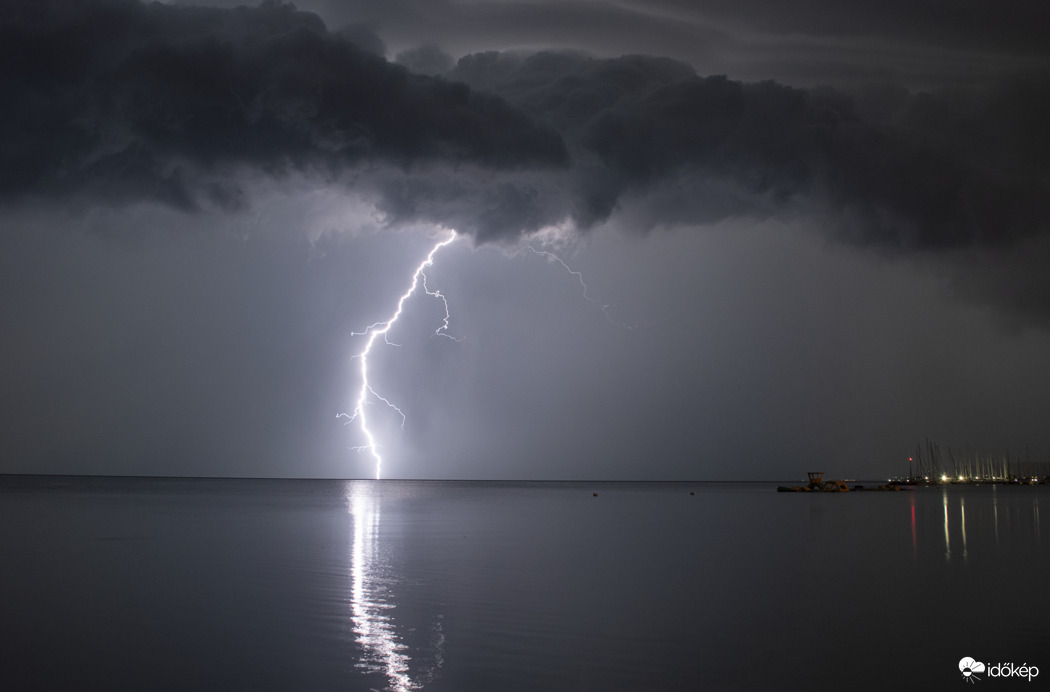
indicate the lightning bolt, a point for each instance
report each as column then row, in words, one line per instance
column 373, row 332
column 551, row 257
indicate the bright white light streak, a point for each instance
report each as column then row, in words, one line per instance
column 373, row 332
column 373, row 626
column 374, row 604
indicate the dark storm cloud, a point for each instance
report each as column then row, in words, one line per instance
column 1010, row 25
column 364, row 37
column 426, row 59
column 490, row 209
column 1014, row 25
column 929, row 171
column 121, row 100
column 922, row 44
column 114, row 100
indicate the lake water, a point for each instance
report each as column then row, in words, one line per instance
column 136, row 584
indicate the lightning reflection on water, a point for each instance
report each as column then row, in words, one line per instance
column 373, row 605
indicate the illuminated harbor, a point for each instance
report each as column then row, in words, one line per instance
column 930, row 465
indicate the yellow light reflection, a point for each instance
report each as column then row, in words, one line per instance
column 914, row 535
column 1035, row 512
column 995, row 511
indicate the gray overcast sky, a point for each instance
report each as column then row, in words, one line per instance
column 820, row 234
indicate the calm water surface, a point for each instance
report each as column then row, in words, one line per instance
column 132, row 584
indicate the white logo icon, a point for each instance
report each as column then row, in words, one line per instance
column 970, row 668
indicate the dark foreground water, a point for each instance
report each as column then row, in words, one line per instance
column 136, row 584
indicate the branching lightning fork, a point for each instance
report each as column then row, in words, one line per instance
column 373, row 332
column 579, row 277
column 382, row 328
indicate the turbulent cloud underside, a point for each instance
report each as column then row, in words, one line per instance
column 114, row 101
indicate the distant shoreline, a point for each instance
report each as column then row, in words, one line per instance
column 55, row 476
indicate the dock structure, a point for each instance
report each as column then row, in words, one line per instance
column 817, row 484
